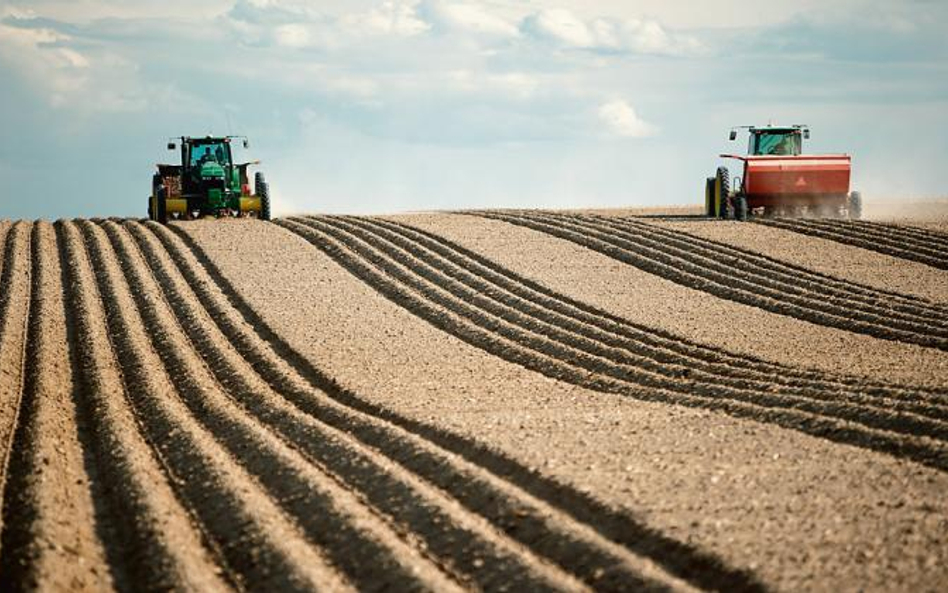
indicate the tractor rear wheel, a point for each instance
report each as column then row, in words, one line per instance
column 161, row 206
column 722, row 189
column 709, row 197
column 854, row 207
column 263, row 192
column 740, row 207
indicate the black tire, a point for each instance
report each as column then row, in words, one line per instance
column 161, row 206
column 722, row 189
column 155, row 184
column 263, row 192
column 709, row 197
column 740, row 208
column 854, row 207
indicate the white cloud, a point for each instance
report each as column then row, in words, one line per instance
column 645, row 36
column 473, row 18
column 39, row 55
column 620, row 119
column 293, row 35
column 295, row 24
column 392, row 18
column 562, row 26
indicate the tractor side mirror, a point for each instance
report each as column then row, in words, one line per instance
column 733, row 135
column 246, row 143
column 806, row 133
column 171, row 146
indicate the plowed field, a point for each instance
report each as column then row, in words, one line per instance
column 502, row 400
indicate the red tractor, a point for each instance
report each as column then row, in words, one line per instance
column 778, row 180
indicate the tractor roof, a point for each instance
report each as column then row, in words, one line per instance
column 772, row 128
column 206, row 139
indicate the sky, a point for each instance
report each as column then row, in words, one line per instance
column 373, row 106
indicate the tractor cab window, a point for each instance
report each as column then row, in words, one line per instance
column 217, row 152
column 776, row 143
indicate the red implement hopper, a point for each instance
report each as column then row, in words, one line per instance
column 777, row 180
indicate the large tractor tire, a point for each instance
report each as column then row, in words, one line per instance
column 709, row 197
column 740, row 208
column 854, row 207
column 161, row 206
column 152, row 203
column 722, row 187
column 263, row 192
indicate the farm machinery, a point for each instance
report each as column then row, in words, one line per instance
column 207, row 182
column 779, row 180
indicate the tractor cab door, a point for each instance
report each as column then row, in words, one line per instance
column 199, row 154
column 775, row 142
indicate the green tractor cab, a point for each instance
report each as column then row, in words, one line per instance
column 207, row 183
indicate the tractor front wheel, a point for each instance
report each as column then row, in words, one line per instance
column 263, row 192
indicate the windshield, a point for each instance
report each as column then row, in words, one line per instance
column 777, row 143
column 215, row 151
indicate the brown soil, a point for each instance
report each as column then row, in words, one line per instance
column 460, row 403
column 848, row 262
column 653, row 301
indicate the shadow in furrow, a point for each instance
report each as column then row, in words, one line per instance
column 660, row 345
column 687, row 271
column 299, row 488
column 889, row 240
column 698, row 567
column 242, row 541
column 919, row 449
column 465, row 550
column 781, row 274
column 765, row 275
column 629, row 358
column 552, row 340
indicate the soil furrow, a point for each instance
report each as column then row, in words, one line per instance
column 419, row 510
column 925, row 236
column 14, row 316
column 352, row 538
column 758, row 274
column 4, row 230
column 754, row 263
column 481, row 479
column 812, row 289
column 605, row 344
column 258, row 541
column 930, row 246
column 660, row 346
column 46, row 477
column 857, row 240
column 160, row 546
column 486, row 567
column 498, row 340
column 592, row 355
column 728, row 287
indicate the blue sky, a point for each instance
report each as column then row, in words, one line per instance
column 381, row 106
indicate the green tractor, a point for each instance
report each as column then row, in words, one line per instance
column 207, row 183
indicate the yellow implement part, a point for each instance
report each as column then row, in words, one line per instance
column 251, row 204
column 176, row 206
